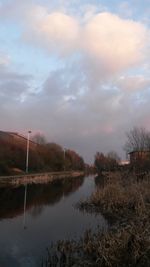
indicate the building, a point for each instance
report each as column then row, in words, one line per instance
column 124, row 162
column 137, row 156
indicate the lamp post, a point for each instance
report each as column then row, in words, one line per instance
column 64, row 159
column 25, row 192
column 27, row 156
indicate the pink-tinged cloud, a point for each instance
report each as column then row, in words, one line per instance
column 57, row 32
column 133, row 84
column 98, row 90
column 108, row 41
column 117, row 43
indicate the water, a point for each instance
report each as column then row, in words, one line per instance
column 50, row 216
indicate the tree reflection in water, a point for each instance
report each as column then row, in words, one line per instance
column 38, row 195
column 99, row 180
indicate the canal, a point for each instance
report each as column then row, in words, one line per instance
column 50, row 215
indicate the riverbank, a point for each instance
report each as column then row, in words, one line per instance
column 37, row 178
column 126, row 203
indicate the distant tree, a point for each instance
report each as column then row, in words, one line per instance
column 89, row 169
column 73, row 161
column 147, row 141
column 53, row 156
column 107, row 162
column 113, row 155
column 113, row 160
column 39, row 139
column 100, row 162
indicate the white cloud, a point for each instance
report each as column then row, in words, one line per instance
column 108, row 42
column 133, row 84
column 13, row 85
column 4, row 59
column 116, row 43
column 93, row 99
column 56, row 31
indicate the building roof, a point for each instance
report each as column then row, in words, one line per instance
column 134, row 151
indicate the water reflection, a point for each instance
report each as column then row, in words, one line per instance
column 13, row 202
column 50, row 216
column 25, row 203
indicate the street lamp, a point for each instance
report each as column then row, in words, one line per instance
column 25, row 191
column 27, row 156
column 64, row 159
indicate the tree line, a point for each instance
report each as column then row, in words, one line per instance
column 46, row 157
column 108, row 162
column 137, row 143
column 52, row 157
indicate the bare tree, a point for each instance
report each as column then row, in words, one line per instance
column 138, row 139
column 113, row 155
column 147, row 141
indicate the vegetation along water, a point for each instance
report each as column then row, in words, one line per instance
column 50, row 215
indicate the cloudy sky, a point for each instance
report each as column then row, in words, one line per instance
column 77, row 71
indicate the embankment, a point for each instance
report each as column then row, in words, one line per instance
column 38, row 178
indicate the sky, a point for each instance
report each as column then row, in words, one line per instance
column 76, row 71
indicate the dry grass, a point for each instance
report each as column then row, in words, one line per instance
column 127, row 243
column 127, row 246
column 120, row 197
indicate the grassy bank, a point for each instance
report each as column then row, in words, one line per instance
column 127, row 243
column 37, row 178
column 120, row 197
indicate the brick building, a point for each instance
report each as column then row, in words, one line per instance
column 137, row 156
